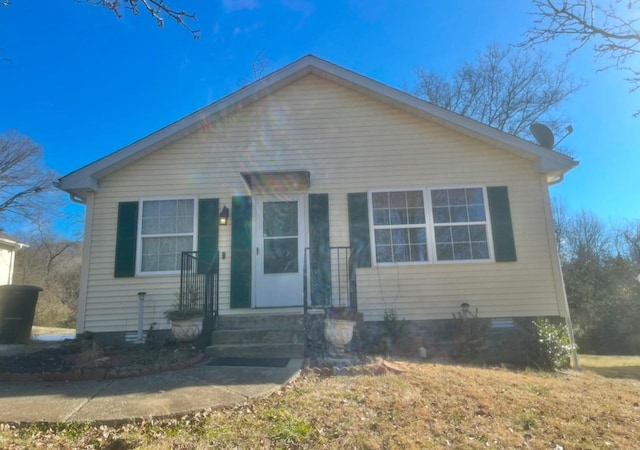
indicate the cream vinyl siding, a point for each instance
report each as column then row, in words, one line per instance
column 349, row 143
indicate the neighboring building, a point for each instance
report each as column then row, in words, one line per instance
column 8, row 247
column 437, row 210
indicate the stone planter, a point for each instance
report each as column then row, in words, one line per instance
column 186, row 330
column 338, row 332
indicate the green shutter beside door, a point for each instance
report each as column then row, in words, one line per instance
column 319, row 249
column 501, row 227
column 241, row 251
column 126, row 239
column 208, row 229
column 359, row 228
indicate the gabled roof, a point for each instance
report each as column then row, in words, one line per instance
column 84, row 180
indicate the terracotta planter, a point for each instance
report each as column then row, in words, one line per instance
column 185, row 330
column 338, row 332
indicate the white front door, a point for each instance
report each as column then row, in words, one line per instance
column 280, row 241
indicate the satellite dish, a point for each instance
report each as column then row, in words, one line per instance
column 543, row 135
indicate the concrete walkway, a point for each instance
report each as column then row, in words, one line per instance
column 161, row 395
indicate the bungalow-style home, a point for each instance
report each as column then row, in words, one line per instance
column 314, row 187
column 8, row 248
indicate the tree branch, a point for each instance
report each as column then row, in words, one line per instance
column 158, row 9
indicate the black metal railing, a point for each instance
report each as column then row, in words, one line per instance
column 330, row 282
column 199, row 284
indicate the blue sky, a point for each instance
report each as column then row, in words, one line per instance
column 83, row 84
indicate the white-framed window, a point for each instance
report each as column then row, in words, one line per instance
column 460, row 224
column 166, row 228
column 430, row 225
column 399, row 226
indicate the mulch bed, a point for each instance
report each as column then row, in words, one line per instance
column 88, row 360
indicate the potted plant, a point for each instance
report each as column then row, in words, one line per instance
column 338, row 326
column 186, row 318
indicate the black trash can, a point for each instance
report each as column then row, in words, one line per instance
column 17, row 309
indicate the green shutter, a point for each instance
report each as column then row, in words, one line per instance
column 208, row 229
column 126, row 239
column 241, row 251
column 319, row 249
column 359, row 228
column 504, row 246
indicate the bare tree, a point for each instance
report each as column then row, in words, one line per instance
column 504, row 89
column 24, row 181
column 588, row 238
column 612, row 27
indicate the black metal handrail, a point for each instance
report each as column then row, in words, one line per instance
column 330, row 285
column 199, row 281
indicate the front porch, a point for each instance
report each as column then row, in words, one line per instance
column 329, row 282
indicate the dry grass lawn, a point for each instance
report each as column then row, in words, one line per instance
column 431, row 405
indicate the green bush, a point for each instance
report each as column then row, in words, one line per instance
column 551, row 347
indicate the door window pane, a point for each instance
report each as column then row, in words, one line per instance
column 281, row 255
column 280, row 219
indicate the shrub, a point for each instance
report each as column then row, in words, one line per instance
column 551, row 348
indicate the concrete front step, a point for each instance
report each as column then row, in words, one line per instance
column 259, row 336
column 261, row 322
column 286, row 350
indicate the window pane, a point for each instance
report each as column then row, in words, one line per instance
column 417, row 236
column 462, row 251
column 281, row 255
column 280, row 219
column 383, row 237
column 149, row 263
column 480, row 250
column 397, row 199
column 168, row 208
column 380, row 200
column 381, row 217
column 476, row 213
column 457, row 197
column 418, row 252
column 400, row 236
column 439, row 197
column 415, row 199
column 444, row 252
column 415, row 215
column 398, row 216
column 149, row 225
column 441, row 215
column 460, row 234
column 443, row 234
column 459, row 214
column 478, row 233
column 401, row 253
column 383, row 253
column 474, row 196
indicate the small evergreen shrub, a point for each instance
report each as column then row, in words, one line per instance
column 551, row 348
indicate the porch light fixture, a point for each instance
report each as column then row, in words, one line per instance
column 224, row 215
